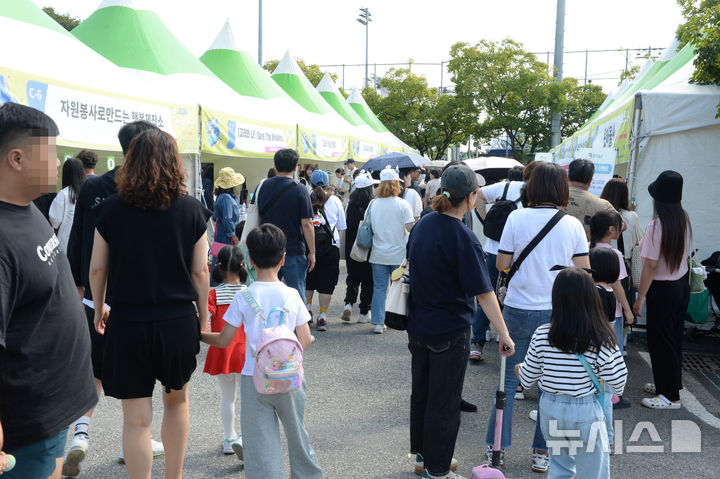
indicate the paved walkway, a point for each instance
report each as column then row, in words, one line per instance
column 358, row 409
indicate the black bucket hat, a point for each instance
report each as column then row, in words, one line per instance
column 667, row 188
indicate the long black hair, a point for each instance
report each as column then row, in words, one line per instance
column 578, row 322
column 601, row 222
column 230, row 259
column 73, row 175
column 361, row 197
column 675, row 224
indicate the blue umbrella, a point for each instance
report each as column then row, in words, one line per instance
column 396, row 160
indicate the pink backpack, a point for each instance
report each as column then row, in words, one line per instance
column 278, row 353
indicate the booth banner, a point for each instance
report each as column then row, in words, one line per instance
column 612, row 131
column 90, row 118
column 365, row 150
column 604, row 160
column 322, row 146
column 228, row 135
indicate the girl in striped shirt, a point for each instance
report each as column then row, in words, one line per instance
column 572, row 417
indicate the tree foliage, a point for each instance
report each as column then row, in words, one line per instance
column 312, row 72
column 511, row 94
column 417, row 115
column 702, row 30
column 629, row 74
column 65, row 20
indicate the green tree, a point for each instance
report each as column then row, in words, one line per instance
column 581, row 102
column 65, row 20
column 629, row 74
column 417, row 115
column 509, row 90
column 702, row 30
column 312, row 72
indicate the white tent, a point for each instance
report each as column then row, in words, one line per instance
column 661, row 121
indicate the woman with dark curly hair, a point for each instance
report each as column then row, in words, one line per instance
column 153, row 330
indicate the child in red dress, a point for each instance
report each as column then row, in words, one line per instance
column 227, row 364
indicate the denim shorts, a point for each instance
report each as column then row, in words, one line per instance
column 37, row 461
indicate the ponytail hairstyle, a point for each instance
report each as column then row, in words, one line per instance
column 601, row 222
column 445, row 201
column 230, row 259
column 318, row 197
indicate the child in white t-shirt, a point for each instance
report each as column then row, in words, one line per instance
column 261, row 435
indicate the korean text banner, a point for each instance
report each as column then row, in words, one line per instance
column 229, row 135
column 89, row 118
column 366, row 150
column 322, row 146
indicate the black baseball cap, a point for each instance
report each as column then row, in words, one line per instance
column 460, row 180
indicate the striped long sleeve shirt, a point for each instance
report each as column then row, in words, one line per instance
column 559, row 372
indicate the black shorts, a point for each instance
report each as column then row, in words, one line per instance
column 139, row 352
column 97, row 342
column 324, row 277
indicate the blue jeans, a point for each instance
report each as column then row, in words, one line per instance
column 381, row 278
column 37, row 461
column 294, row 271
column 521, row 325
column 481, row 323
column 586, row 456
column 618, row 325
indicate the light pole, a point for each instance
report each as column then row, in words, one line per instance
column 260, row 32
column 555, row 137
column 365, row 20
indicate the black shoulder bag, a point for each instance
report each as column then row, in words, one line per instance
column 505, row 276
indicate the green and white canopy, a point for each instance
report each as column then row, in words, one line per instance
column 137, row 39
column 657, row 122
column 88, row 96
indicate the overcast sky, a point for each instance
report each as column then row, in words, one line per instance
column 325, row 31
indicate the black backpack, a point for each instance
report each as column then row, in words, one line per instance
column 323, row 236
column 497, row 215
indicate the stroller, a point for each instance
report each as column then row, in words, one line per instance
column 712, row 283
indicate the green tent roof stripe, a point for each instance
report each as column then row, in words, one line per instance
column 137, row 39
column 291, row 79
column 330, row 93
column 242, row 73
column 28, row 12
column 358, row 104
column 658, row 73
column 342, row 108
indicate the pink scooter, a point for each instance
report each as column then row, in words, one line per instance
column 492, row 470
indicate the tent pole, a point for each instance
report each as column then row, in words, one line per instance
column 635, row 147
column 198, row 162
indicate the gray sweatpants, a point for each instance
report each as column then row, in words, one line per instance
column 261, row 434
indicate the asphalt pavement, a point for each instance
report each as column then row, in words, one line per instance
column 357, row 416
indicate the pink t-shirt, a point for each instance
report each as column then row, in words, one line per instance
column 650, row 249
column 623, row 273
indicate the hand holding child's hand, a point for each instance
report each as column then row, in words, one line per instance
column 101, row 317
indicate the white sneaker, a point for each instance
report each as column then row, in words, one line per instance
column 157, row 448
column 533, row 415
column 75, row 455
column 227, row 446
column 379, row 328
column 347, row 311
column 364, row 318
column 237, row 447
column 312, row 339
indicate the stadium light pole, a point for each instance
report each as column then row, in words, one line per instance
column 365, row 20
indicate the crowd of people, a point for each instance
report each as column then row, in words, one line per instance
column 539, row 258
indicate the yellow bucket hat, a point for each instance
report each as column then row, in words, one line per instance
column 229, row 179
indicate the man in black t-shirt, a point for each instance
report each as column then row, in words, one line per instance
column 289, row 208
column 45, row 373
